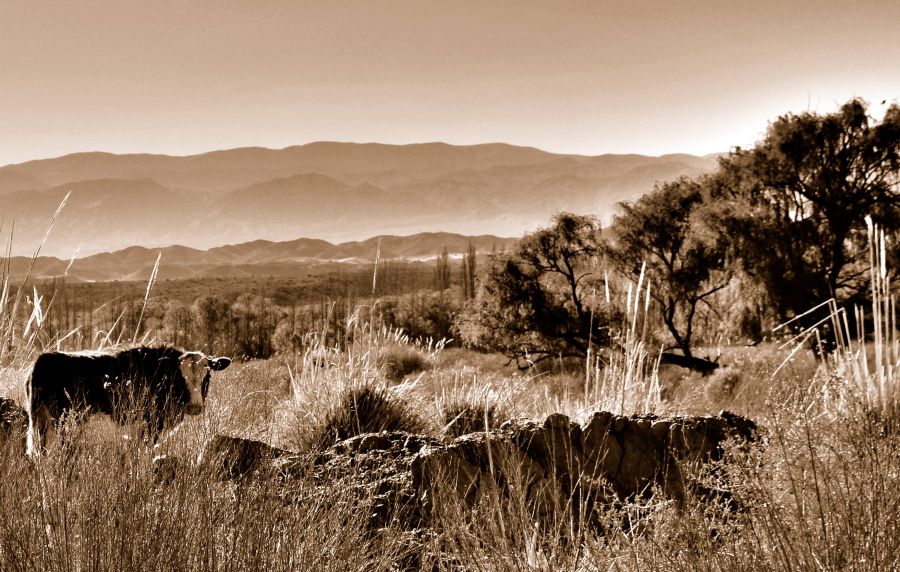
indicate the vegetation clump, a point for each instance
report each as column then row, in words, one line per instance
column 540, row 301
column 367, row 409
column 403, row 361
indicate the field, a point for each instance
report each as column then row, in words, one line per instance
column 820, row 490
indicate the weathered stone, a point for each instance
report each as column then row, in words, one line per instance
column 411, row 479
column 602, row 449
column 439, row 471
column 378, row 469
column 695, row 440
column 699, row 439
column 557, row 421
column 659, row 430
column 372, row 442
column 740, row 427
column 641, row 461
column 600, row 423
column 643, row 425
column 556, row 446
column 546, row 498
column 515, row 469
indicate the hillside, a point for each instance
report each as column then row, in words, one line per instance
column 333, row 191
column 257, row 258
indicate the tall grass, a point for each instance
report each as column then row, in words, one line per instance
column 99, row 507
column 625, row 379
column 864, row 368
column 15, row 337
column 876, row 379
column 820, row 494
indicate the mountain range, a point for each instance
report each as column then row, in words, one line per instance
column 333, row 191
column 256, row 258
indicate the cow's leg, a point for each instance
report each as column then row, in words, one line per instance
column 40, row 428
column 158, row 428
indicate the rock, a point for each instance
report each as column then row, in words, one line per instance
column 741, row 427
column 437, row 471
column 556, row 445
column 602, row 449
column 410, row 480
column 699, row 439
column 643, row 460
column 659, row 430
column 377, row 468
column 236, row 458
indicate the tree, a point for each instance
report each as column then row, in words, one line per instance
column 442, row 271
column 468, row 272
column 535, row 303
column 213, row 321
column 795, row 205
column 685, row 264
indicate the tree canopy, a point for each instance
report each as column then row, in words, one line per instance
column 685, row 264
column 794, row 206
column 788, row 218
column 536, row 302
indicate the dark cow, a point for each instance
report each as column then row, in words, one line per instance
column 165, row 383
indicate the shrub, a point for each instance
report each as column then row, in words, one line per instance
column 362, row 410
column 403, row 361
column 422, row 316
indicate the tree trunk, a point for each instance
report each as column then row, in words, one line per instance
column 701, row 365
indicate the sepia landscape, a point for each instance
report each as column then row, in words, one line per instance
column 407, row 286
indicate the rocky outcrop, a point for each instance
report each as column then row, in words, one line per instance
column 551, row 464
column 379, row 469
column 608, row 459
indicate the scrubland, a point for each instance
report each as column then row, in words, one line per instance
column 820, row 490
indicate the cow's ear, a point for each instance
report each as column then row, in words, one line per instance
column 218, row 364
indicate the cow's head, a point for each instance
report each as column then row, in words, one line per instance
column 196, row 368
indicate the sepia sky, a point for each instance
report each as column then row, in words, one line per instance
column 627, row 76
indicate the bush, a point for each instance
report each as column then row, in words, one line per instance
column 362, row 410
column 403, row 361
column 422, row 316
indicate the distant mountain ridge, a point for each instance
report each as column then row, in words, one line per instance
column 336, row 191
column 258, row 257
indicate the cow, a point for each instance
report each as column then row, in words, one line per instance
column 155, row 385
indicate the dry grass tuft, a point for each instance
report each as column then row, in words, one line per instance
column 361, row 410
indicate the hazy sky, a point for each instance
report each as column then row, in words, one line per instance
column 182, row 77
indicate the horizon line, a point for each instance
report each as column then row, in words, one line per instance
column 360, row 143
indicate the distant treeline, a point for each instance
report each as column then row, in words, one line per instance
column 247, row 317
